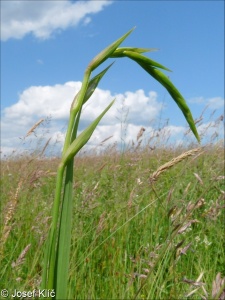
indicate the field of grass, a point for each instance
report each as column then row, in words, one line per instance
column 136, row 233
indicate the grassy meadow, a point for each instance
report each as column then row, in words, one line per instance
column 148, row 222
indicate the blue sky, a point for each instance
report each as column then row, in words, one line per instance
column 46, row 46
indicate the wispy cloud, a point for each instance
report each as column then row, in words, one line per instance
column 40, row 61
column 216, row 102
column 197, row 100
column 212, row 103
column 43, row 18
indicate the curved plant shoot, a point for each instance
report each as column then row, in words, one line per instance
column 57, row 252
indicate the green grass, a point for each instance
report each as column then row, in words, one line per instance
column 123, row 234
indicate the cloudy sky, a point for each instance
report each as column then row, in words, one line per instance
column 46, row 46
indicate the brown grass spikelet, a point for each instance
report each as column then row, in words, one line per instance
column 191, row 206
column 45, row 146
column 140, row 133
column 199, row 178
column 215, row 209
column 21, row 257
column 173, row 162
column 106, row 139
column 188, row 224
column 34, row 127
column 182, row 251
column 169, row 196
column 187, row 188
column 139, row 137
column 198, row 286
column 192, row 282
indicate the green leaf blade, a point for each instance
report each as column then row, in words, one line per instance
column 93, row 83
column 64, row 238
column 120, row 52
column 164, row 80
column 177, row 97
column 83, row 138
column 143, row 59
column 103, row 55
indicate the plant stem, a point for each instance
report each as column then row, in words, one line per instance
column 77, row 106
column 54, row 228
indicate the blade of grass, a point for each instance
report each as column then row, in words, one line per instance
column 119, row 52
column 83, row 138
column 65, row 223
column 135, row 55
column 91, row 88
column 68, row 155
column 63, row 252
column 164, row 80
column 100, row 58
column 50, row 252
column 64, row 241
column 103, row 55
column 57, row 259
column 93, row 83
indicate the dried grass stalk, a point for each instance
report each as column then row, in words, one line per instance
column 21, row 257
column 140, row 133
column 34, row 127
column 45, row 146
column 173, row 162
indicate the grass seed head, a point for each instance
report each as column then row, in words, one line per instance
column 21, row 258
column 173, row 162
column 34, row 127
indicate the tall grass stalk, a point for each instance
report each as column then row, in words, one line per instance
column 57, row 253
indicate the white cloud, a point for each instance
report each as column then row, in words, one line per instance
column 39, row 102
column 131, row 111
column 43, row 18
